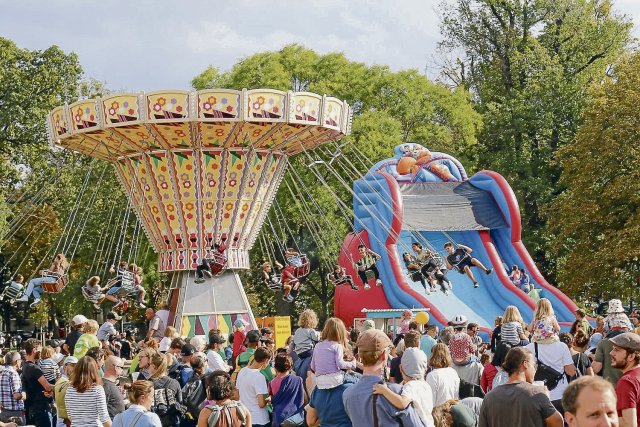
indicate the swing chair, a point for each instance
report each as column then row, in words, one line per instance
column 11, row 292
column 57, row 284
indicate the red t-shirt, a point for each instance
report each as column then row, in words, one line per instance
column 628, row 392
column 238, row 343
column 489, row 373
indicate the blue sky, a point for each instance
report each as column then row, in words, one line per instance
column 150, row 45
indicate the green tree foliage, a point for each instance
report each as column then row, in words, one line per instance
column 598, row 239
column 389, row 108
column 528, row 64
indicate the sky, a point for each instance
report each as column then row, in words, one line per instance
column 151, row 45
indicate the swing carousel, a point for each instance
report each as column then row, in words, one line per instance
column 201, row 170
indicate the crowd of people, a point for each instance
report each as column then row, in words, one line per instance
column 527, row 375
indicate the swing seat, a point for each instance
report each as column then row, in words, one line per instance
column 275, row 284
column 11, row 292
column 217, row 264
column 57, row 284
column 127, row 285
column 337, row 282
column 304, row 269
column 94, row 299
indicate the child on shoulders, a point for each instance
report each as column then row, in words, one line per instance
column 544, row 326
column 328, row 360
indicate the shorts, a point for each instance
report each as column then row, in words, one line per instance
column 466, row 262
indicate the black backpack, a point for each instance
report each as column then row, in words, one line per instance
column 194, row 394
column 549, row 376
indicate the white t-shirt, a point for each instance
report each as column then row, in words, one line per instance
column 422, row 397
column 164, row 345
column 215, row 362
column 250, row 384
column 555, row 355
column 444, row 383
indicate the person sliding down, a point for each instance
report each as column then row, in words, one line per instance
column 367, row 262
column 340, row 277
column 219, row 260
column 414, row 270
column 57, row 269
column 461, row 260
column 429, row 267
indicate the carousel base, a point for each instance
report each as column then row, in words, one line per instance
column 196, row 308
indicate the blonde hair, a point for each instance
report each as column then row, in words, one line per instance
column 543, row 309
column 512, row 314
column 440, row 356
column 159, row 361
column 47, row 352
column 138, row 390
column 91, row 327
column 440, row 413
column 308, row 319
column 171, row 332
column 93, row 280
column 334, row 330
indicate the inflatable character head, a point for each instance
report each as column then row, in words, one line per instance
column 411, row 157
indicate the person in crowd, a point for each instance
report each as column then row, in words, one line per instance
column 495, row 335
column 512, row 330
column 168, row 388
column 60, row 391
column 428, row 340
column 472, row 331
column 304, row 340
column 253, row 389
column 581, row 322
column 113, row 367
column 127, row 345
column 140, row 396
column 77, row 325
column 328, row 360
column 415, row 389
column 49, row 367
column 220, row 390
column 454, row 413
column 465, row 363
column 590, row 402
column 358, row 400
column 239, row 335
column 326, row 407
column 184, row 370
column 519, row 402
column 144, row 363
column 501, row 375
column 87, row 340
column 446, row 334
column 97, row 353
column 214, row 360
column 602, row 359
column 366, row 262
column 108, row 328
column 193, row 392
column 625, row 356
column 169, row 334
column 286, row 391
column 577, row 346
column 156, row 325
column 57, row 268
column 616, row 317
column 198, row 342
column 405, row 319
column 515, row 275
column 38, row 390
column 557, row 356
column 11, row 397
column 85, row 399
column 544, row 327
column 443, row 379
column 113, row 345
column 461, row 260
column 246, row 358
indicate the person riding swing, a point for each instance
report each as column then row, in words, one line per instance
column 56, row 271
column 340, row 277
column 367, row 262
column 212, row 266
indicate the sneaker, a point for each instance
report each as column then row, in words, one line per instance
column 290, row 298
column 23, row 298
column 427, row 291
column 208, row 273
column 284, row 298
column 199, row 280
column 35, row 302
column 354, row 288
column 475, row 285
column 447, row 292
column 489, row 271
column 378, row 282
column 367, row 286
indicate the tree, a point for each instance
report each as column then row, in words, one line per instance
column 389, row 108
column 528, row 64
column 597, row 231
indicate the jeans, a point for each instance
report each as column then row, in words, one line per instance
column 35, row 286
column 363, row 274
column 202, row 267
column 40, row 418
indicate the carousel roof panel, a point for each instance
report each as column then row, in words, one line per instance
column 264, row 119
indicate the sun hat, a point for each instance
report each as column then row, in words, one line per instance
column 70, row 359
column 368, row 324
column 414, row 363
column 615, row 306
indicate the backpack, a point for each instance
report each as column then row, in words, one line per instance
column 549, row 376
column 468, row 389
column 225, row 410
column 193, row 394
column 166, row 406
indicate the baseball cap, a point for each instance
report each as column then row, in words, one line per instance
column 70, row 359
column 217, row 339
column 79, row 319
column 265, row 331
column 57, row 358
column 187, row 350
column 628, row 340
column 373, row 340
column 113, row 316
column 253, row 336
column 239, row 323
column 414, row 363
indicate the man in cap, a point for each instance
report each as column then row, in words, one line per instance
column 77, row 323
column 60, row 390
column 187, row 352
column 107, row 329
column 246, row 358
column 625, row 355
column 617, row 325
column 358, row 400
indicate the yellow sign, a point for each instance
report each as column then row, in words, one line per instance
column 280, row 326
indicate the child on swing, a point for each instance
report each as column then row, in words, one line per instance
column 340, row 277
column 94, row 293
column 270, row 277
column 137, row 282
column 219, row 259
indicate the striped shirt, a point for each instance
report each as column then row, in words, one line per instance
column 10, row 383
column 510, row 333
column 366, row 262
column 88, row 409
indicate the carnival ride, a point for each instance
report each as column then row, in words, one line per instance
column 201, row 168
column 426, row 197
